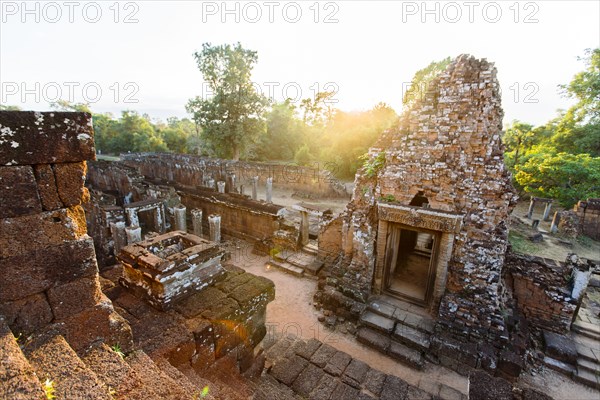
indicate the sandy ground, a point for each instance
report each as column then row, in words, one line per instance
column 552, row 247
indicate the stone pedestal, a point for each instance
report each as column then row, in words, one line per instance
column 269, row 194
column 180, row 218
column 255, row 188
column 134, row 234
column 555, row 222
column 117, row 229
column 214, row 228
column 530, row 211
column 197, row 222
column 547, row 211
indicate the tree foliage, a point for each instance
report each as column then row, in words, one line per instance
column 561, row 159
column 232, row 118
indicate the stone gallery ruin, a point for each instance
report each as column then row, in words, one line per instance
column 129, row 279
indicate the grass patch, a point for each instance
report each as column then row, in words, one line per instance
column 521, row 243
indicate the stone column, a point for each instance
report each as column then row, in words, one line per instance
column 117, row 229
column 555, row 222
column 242, row 190
column 180, row 218
column 231, row 183
column 211, row 183
column 304, row 228
column 255, row 188
column 214, row 227
column 269, row 194
column 546, row 216
column 134, row 234
column 197, row 221
column 221, row 186
column 530, row 211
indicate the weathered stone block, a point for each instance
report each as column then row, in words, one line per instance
column 338, row 363
column 560, row 347
column 355, row 373
column 41, row 269
column 323, row 355
column 98, row 323
column 28, row 137
column 394, row 388
column 28, row 233
column 46, row 183
column 27, row 315
column 70, row 178
column 287, row 370
column 307, row 380
column 484, row 387
column 510, row 364
column 18, row 192
column 74, row 297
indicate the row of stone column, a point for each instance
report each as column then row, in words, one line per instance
column 125, row 235
column 214, row 222
column 221, row 187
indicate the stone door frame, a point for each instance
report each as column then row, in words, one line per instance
column 444, row 225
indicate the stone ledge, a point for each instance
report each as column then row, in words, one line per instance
column 28, row 138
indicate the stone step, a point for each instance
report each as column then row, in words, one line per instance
column 286, row 267
column 378, row 322
column 56, row 363
column 112, row 369
column 154, row 379
column 391, row 348
column 311, row 249
column 314, row 268
column 411, row 337
column 586, row 329
column 18, row 379
column 559, row 366
column 588, row 378
column 300, row 259
column 587, row 365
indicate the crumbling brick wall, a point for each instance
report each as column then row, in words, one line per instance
column 48, row 269
column 588, row 213
column 447, row 146
column 541, row 290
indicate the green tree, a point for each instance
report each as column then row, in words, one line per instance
column 562, row 176
column 232, row 118
column 579, row 130
column 420, row 82
column 303, row 155
column 9, row 108
column 283, row 135
column 64, row 105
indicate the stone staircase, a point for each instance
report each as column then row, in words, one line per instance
column 47, row 364
column 587, row 343
column 396, row 329
column 576, row 355
column 299, row 263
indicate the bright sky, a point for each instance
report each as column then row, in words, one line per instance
column 365, row 50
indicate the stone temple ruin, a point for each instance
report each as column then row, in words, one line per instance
column 121, row 279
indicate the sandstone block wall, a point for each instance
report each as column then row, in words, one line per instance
column 191, row 170
column 48, row 269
